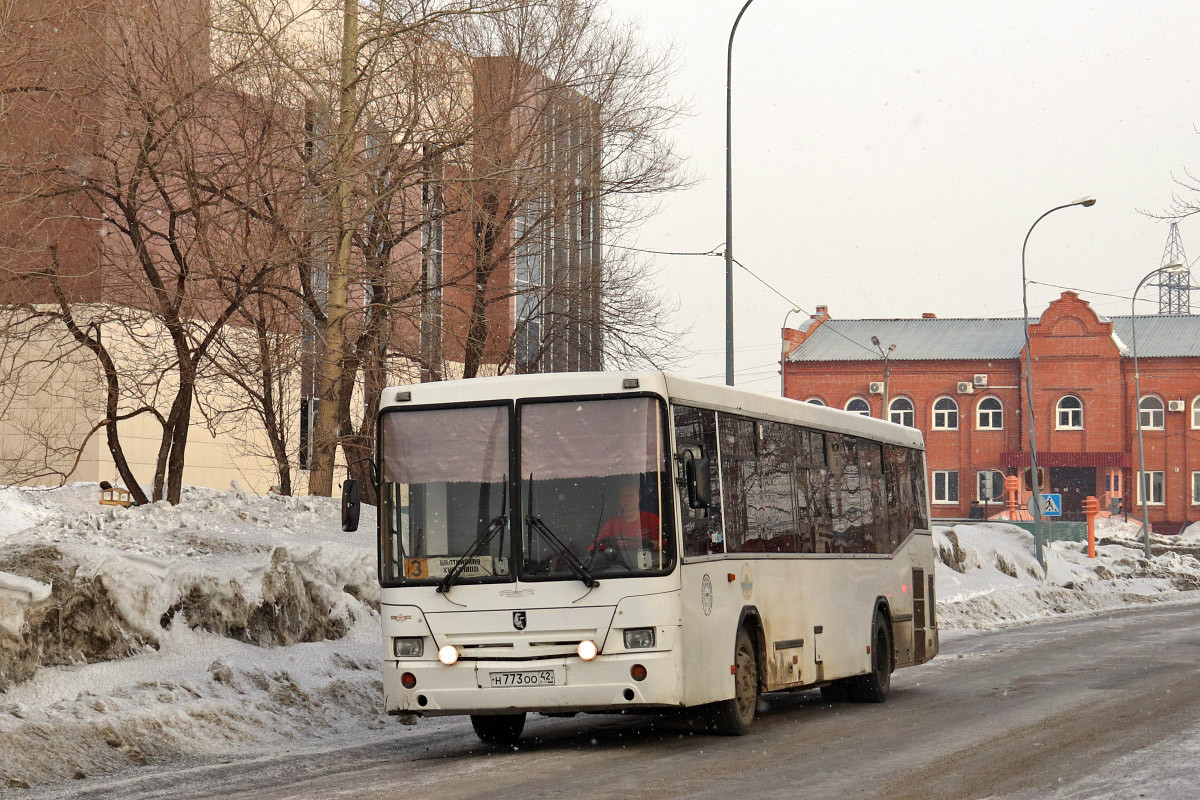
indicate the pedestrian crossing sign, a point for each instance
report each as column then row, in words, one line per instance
column 1051, row 505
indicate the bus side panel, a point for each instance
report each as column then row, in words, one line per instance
column 712, row 605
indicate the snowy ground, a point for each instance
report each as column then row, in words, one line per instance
column 232, row 623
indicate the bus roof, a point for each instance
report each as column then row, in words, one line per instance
column 672, row 387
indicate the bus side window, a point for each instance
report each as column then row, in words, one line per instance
column 696, row 435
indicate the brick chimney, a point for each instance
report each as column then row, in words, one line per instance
column 929, row 315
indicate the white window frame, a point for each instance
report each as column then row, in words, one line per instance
column 978, row 482
column 1149, row 413
column 815, row 401
column 933, row 483
column 1059, row 411
column 942, row 418
column 1196, row 413
column 911, row 411
column 980, row 412
column 1196, row 488
column 866, row 413
column 1162, row 487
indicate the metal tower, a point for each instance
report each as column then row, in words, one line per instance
column 1174, row 291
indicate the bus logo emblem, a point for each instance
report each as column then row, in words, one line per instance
column 706, row 595
column 519, row 620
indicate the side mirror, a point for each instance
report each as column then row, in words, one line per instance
column 351, row 504
column 699, row 482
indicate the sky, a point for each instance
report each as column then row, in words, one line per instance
column 889, row 158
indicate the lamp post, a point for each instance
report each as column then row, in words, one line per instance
column 729, row 200
column 887, row 372
column 1144, row 491
column 783, row 350
column 1086, row 202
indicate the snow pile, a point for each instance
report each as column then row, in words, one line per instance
column 221, row 623
column 988, row 576
column 233, row 624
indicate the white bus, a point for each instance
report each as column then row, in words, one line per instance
column 599, row 542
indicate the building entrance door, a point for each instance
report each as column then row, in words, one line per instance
column 1074, row 484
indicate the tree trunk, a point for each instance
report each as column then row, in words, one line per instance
column 325, row 438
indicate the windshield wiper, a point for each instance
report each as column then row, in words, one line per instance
column 576, row 566
column 497, row 524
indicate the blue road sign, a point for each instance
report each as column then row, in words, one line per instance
column 1051, row 505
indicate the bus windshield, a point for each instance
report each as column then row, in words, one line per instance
column 594, row 481
column 444, row 494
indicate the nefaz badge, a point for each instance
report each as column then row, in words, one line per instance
column 519, row 620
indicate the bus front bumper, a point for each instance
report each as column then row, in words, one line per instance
column 477, row 687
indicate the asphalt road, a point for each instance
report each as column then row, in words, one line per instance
column 1100, row 707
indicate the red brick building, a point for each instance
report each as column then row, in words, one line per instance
column 962, row 382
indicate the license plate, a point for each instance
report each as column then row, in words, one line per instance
column 541, row 677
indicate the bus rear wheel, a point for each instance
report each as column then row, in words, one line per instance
column 873, row 687
column 498, row 728
column 733, row 717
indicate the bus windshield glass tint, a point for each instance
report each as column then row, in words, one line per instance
column 444, row 490
column 593, row 490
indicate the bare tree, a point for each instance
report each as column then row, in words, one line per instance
column 572, row 115
column 168, row 171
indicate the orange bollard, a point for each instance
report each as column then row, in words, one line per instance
column 1091, row 506
column 1012, row 488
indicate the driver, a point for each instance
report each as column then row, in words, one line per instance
column 632, row 528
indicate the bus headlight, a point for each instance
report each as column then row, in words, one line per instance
column 448, row 654
column 408, row 646
column 587, row 650
column 639, row 638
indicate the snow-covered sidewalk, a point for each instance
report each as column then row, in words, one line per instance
column 232, row 623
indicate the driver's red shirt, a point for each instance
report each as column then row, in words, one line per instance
column 620, row 532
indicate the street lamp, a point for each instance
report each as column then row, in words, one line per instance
column 729, row 201
column 1144, row 491
column 783, row 349
column 887, row 372
column 1086, row 202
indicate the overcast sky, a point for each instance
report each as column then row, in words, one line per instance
column 889, row 158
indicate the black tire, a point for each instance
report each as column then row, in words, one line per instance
column 873, row 687
column 498, row 728
column 734, row 716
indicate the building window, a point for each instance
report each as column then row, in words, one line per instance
column 901, row 412
column 527, row 292
column 1196, row 414
column 816, row 401
column 857, row 405
column 945, row 414
column 1070, row 413
column 1196, row 488
column 989, row 485
column 1150, row 486
column 1150, row 413
column 945, row 486
column 308, row 424
column 990, row 414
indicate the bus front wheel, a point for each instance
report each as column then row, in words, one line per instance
column 873, row 687
column 733, row 717
column 498, row 728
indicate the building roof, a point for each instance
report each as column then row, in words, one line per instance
column 937, row 339
column 1160, row 335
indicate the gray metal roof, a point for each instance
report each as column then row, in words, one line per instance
column 1160, row 335
column 940, row 339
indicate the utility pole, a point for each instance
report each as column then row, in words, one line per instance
column 887, row 372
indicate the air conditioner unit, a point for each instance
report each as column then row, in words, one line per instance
column 875, row 387
column 980, row 381
column 1175, row 405
column 966, row 387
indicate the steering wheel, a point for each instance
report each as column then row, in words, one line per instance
column 613, row 554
